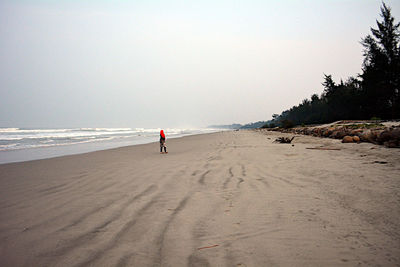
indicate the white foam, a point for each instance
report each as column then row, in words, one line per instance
column 5, row 130
column 16, row 138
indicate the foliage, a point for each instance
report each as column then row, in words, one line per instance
column 269, row 125
column 254, row 125
column 287, row 124
column 375, row 93
column 381, row 68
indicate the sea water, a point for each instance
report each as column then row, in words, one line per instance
column 19, row 144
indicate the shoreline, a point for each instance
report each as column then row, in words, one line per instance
column 221, row 199
column 29, row 154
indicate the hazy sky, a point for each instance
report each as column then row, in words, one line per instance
column 172, row 63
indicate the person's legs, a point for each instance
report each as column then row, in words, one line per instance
column 165, row 149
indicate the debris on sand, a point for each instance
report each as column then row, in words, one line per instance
column 380, row 162
column 284, row 140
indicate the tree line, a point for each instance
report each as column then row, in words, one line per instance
column 374, row 94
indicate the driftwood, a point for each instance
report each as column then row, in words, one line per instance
column 284, row 140
column 380, row 162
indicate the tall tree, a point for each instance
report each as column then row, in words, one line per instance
column 376, row 94
column 381, row 68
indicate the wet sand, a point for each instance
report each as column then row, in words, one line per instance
column 221, row 199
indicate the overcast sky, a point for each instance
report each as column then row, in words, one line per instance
column 172, row 63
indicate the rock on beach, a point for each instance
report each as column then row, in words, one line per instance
column 387, row 134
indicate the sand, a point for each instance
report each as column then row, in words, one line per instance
column 222, row 199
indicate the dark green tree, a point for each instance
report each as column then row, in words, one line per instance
column 375, row 93
column 381, row 66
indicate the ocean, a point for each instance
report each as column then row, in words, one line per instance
column 19, row 144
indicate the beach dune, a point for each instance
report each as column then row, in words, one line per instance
column 222, row 199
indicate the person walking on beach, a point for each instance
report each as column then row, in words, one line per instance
column 162, row 142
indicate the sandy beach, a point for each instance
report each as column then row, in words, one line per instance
column 222, row 199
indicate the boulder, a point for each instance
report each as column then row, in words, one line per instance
column 384, row 136
column 341, row 134
column 392, row 143
column 356, row 139
column 396, row 133
column 316, row 132
column 347, row 139
column 366, row 136
column 328, row 132
column 356, row 132
column 333, row 134
column 375, row 135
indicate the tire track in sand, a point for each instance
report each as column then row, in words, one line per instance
column 161, row 238
column 81, row 240
column 203, row 177
column 117, row 237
